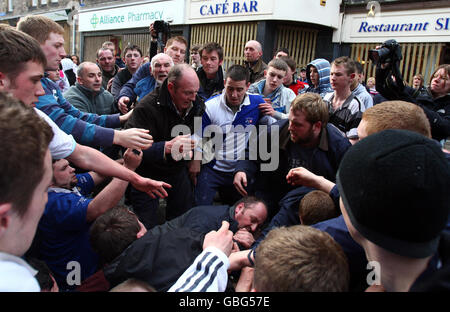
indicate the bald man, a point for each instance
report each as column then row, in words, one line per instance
column 253, row 60
column 88, row 94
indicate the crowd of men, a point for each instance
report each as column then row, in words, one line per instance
column 174, row 176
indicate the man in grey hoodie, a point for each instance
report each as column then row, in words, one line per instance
column 318, row 77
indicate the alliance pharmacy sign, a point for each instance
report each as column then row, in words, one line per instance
column 135, row 16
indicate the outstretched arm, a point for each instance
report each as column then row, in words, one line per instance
column 91, row 159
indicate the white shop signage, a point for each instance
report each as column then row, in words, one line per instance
column 407, row 26
column 133, row 16
column 308, row 11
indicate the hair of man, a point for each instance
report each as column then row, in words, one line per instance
column 249, row 202
column 290, row 62
column 312, row 105
column 39, row 27
column 25, row 140
column 238, row 73
column 348, row 63
column 16, row 49
column 195, row 48
column 210, row 47
column 278, row 64
column 316, row 206
column 157, row 57
column 132, row 47
column 300, row 258
column 396, row 115
column 113, row 232
column 102, row 50
column 282, row 49
column 176, row 38
column 176, row 73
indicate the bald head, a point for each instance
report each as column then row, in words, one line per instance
column 183, row 85
column 89, row 76
column 252, row 51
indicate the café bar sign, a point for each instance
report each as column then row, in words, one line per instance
column 229, row 8
column 133, row 16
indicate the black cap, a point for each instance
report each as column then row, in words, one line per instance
column 395, row 186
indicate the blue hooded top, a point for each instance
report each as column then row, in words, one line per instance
column 323, row 67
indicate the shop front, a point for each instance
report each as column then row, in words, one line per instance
column 127, row 24
column 424, row 37
column 304, row 27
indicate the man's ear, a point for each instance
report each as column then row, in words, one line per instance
column 220, row 62
column 170, row 87
column 265, row 72
column 317, row 126
column 239, row 208
column 4, row 82
column 5, row 217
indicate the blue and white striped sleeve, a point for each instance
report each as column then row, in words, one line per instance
column 208, row 273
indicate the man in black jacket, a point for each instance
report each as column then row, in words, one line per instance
column 167, row 112
column 210, row 74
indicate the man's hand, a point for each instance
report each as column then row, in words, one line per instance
column 179, row 146
column 301, row 176
column 133, row 138
column 238, row 260
column 131, row 159
column 245, row 283
column 244, row 237
column 152, row 31
column 266, row 108
column 240, row 182
column 222, row 239
column 152, row 187
column 109, row 85
column 122, row 104
column 125, row 117
column 194, row 169
column 304, row 177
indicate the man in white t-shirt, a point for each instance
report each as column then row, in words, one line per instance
column 18, row 50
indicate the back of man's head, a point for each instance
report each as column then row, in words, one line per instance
column 25, row 139
column 396, row 115
column 39, row 27
column 290, row 62
column 113, row 232
column 238, row 73
column 300, row 259
column 312, row 105
column 395, row 189
column 316, row 206
column 16, row 49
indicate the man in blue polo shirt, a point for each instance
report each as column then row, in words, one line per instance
column 62, row 238
column 229, row 111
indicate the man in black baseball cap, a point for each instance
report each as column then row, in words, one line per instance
column 395, row 199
